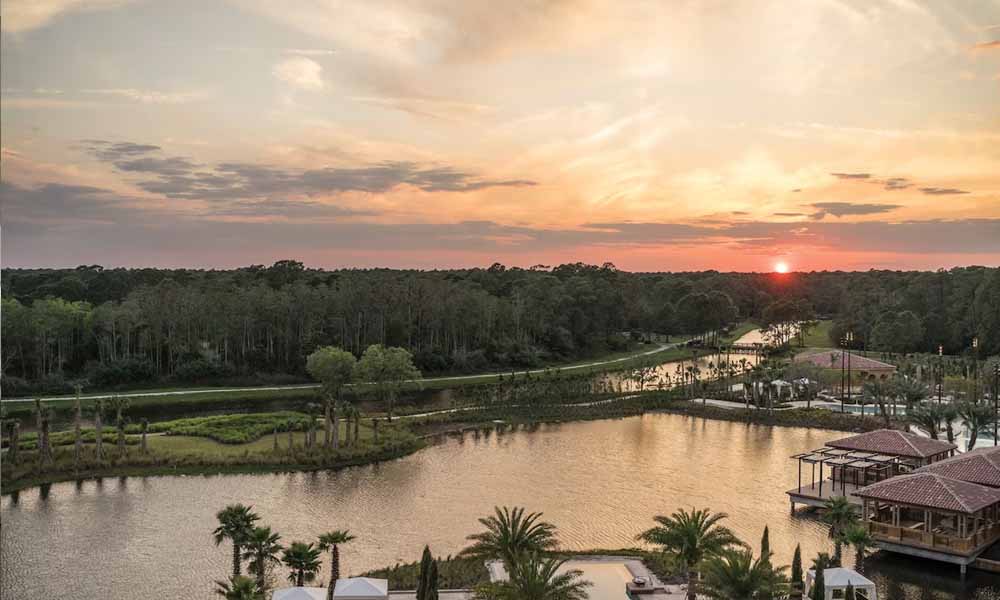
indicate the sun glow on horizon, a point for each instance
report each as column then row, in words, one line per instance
column 781, row 267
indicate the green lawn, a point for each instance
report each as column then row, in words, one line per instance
column 819, row 336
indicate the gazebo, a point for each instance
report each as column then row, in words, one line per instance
column 932, row 516
column 837, row 579
column 361, row 588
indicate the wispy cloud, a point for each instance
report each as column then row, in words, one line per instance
column 300, row 73
column 843, row 209
column 24, row 15
column 179, row 177
column 937, row 191
column 150, row 96
column 985, row 46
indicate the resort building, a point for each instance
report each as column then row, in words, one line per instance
column 859, row 460
column 929, row 515
column 863, row 366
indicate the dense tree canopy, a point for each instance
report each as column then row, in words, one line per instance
column 119, row 326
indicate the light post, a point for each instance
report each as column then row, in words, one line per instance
column 975, row 368
column 940, row 373
column 996, row 396
column 850, row 346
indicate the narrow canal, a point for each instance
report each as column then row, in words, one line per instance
column 600, row 482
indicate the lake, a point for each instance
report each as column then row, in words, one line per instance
column 600, row 482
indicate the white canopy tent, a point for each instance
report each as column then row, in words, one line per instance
column 299, row 593
column 836, row 580
column 361, row 588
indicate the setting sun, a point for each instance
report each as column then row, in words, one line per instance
column 781, row 267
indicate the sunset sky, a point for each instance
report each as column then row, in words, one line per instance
column 661, row 135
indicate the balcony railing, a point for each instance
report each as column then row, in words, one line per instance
column 934, row 541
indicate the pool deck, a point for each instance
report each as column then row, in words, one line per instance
column 634, row 565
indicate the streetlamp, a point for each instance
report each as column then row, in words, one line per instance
column 940, row 373
column 846, row 343
column 996, row 396
column 975, row 367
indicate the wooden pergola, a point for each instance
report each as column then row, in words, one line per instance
column 854, row 469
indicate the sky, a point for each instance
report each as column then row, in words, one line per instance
column 659, row 136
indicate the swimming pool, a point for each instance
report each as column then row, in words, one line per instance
column 608, row 578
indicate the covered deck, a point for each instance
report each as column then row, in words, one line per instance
column 932, row 516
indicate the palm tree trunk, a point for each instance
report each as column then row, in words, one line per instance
column 300, row 578
column 236, row 559
column 692, row 581
column 99, row 435
column 334, row 570
column 336, row 429
column 77, row 434
column 326, row 425
column 260, row 573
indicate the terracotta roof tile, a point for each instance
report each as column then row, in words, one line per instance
column 897, row 443
column 932, row 491
column 980, row 466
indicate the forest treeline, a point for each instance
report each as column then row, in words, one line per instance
column 125, row 326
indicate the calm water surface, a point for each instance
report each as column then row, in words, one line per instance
column 600, row 482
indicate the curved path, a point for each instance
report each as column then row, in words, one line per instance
column 457, row 378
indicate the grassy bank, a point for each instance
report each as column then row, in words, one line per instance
column 170, row 454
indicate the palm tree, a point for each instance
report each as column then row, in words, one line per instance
column 238, row 588
column 975, row 418
column 949, row 413
column 879, row 393
column 737, row 575
column 536, row 578
column 911, row 390
column 99, row 429
column 510, row 533
column 303, row 560
column 691, row 537
column 77, row 433
column 261, row 548
column 119, row 404
column 839, row 515
column 926, row 416
column 859, row 537
column 331, row 541
column 235, row 524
